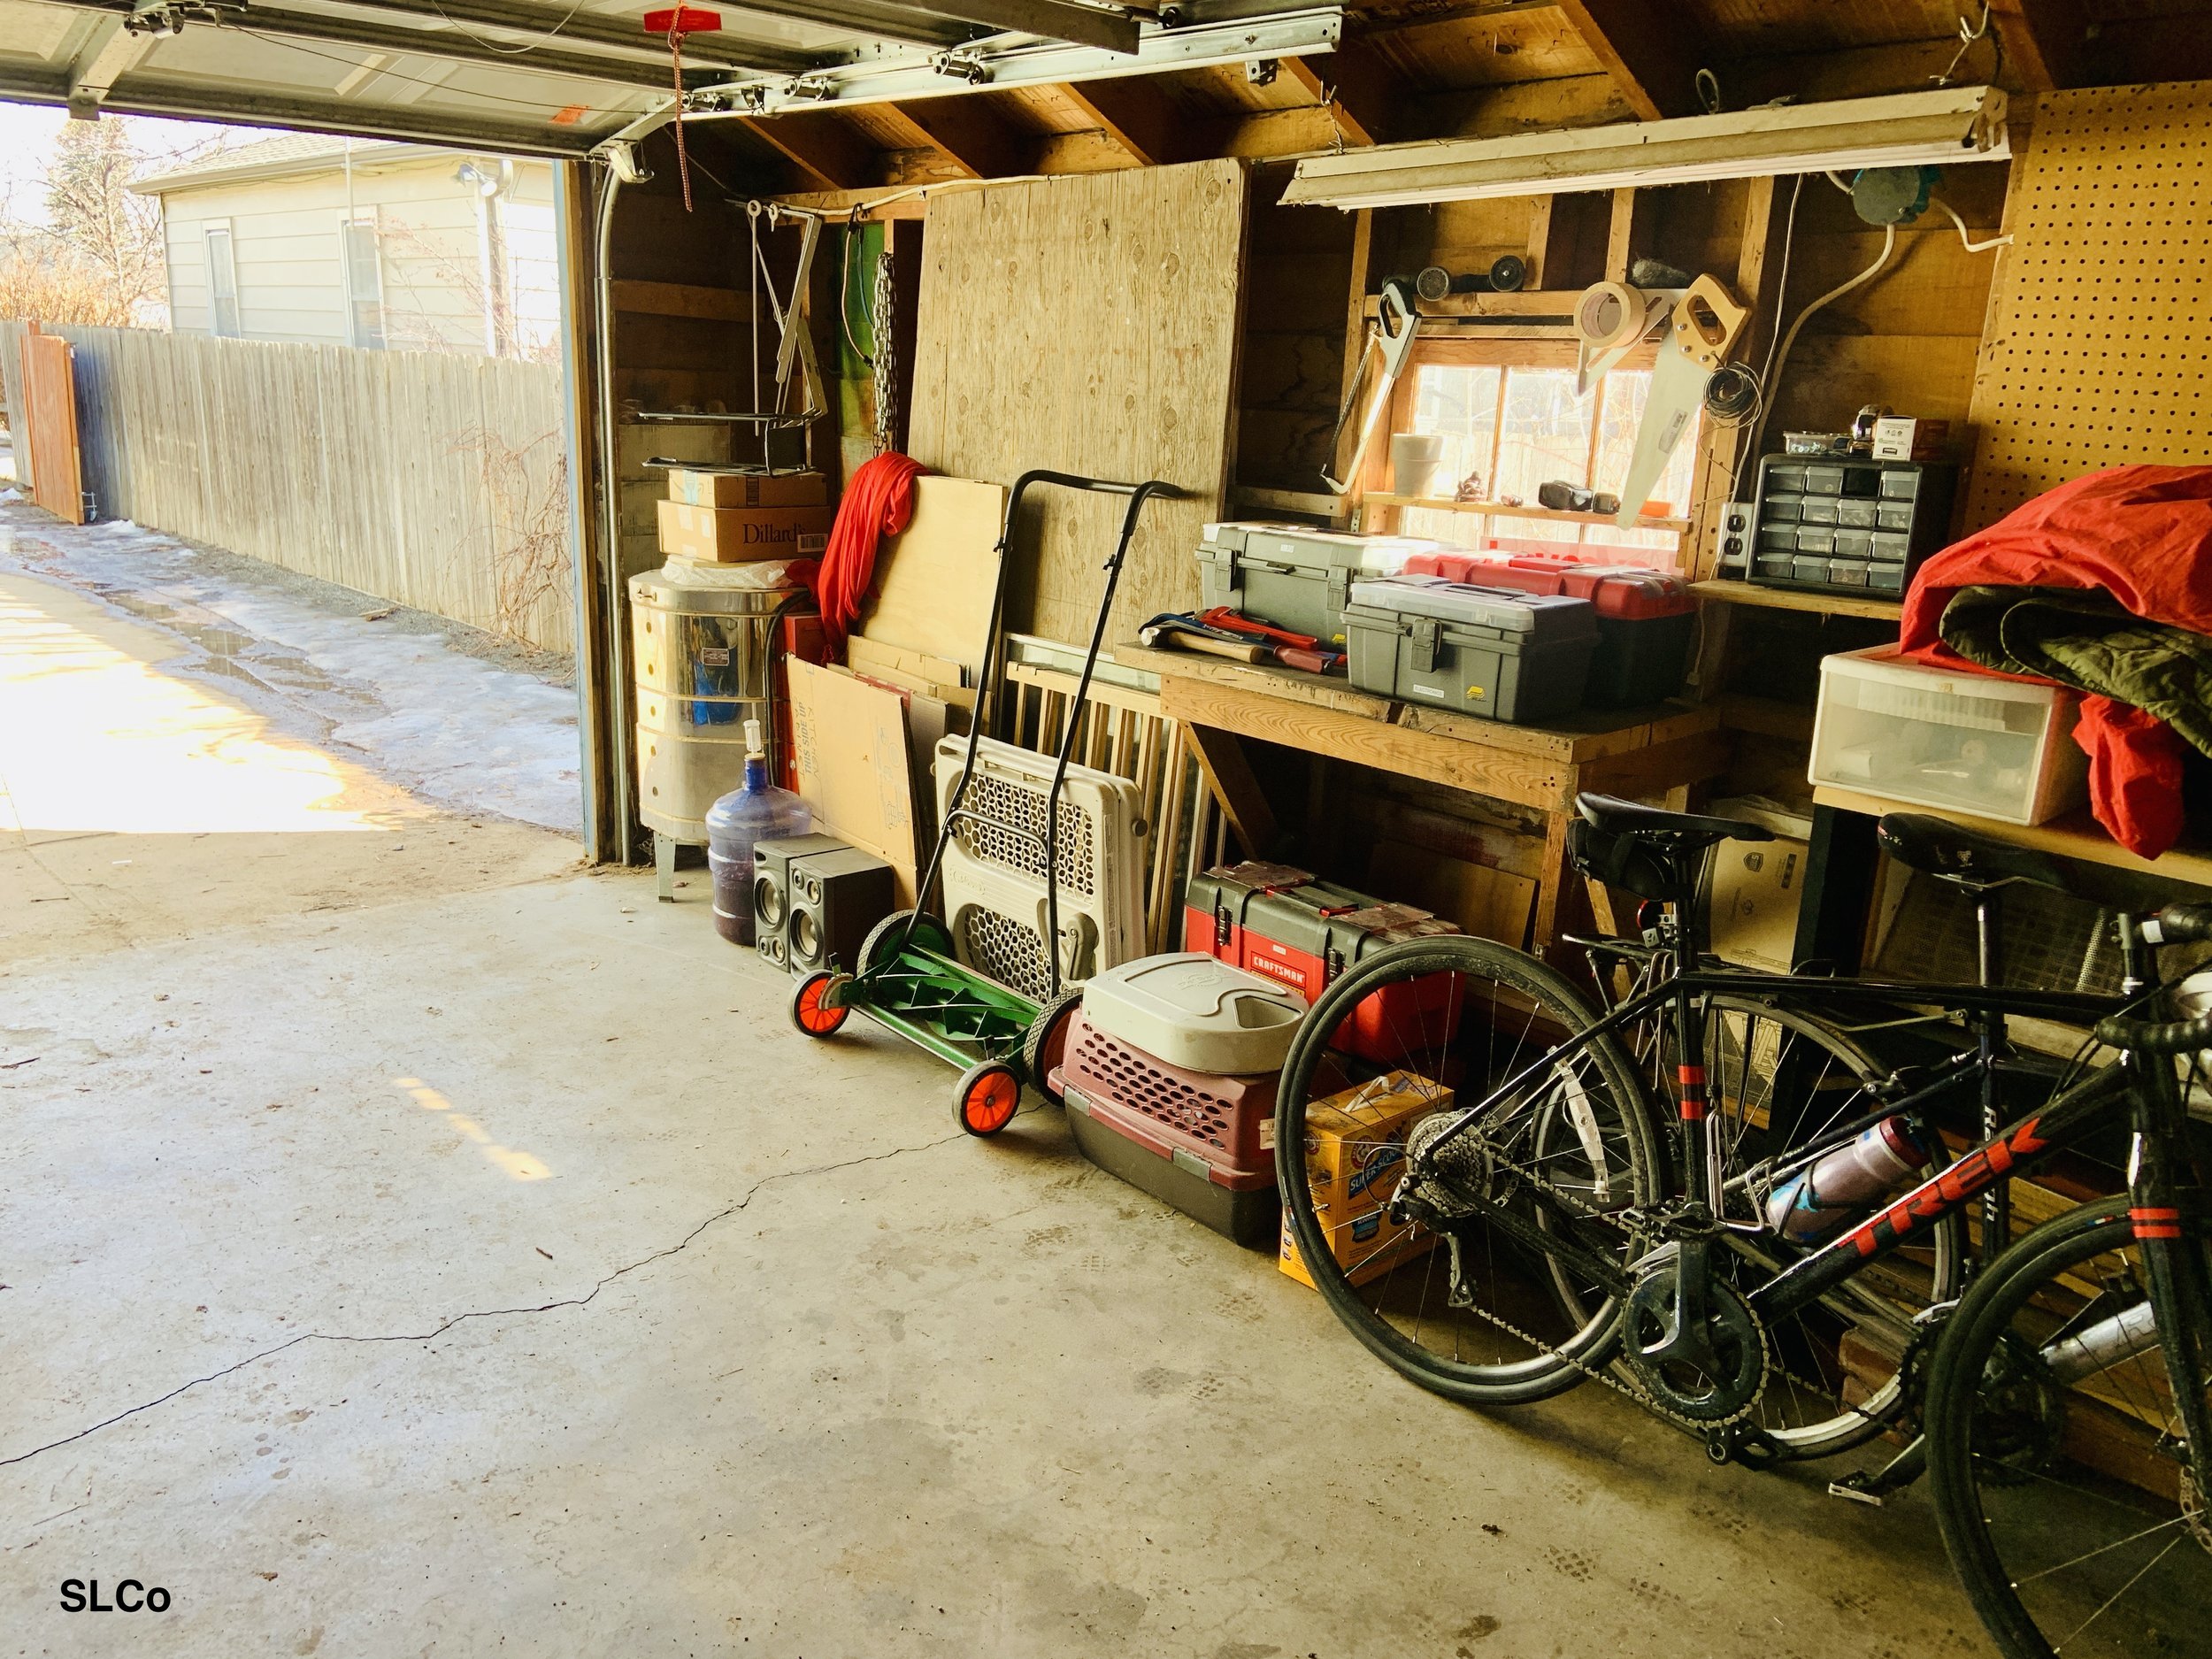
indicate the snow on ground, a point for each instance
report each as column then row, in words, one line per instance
column 453, row 727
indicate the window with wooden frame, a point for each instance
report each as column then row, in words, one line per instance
column 1509, row 417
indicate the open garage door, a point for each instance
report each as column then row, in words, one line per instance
column 528, row 76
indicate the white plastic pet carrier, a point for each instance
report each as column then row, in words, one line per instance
column 994, row 872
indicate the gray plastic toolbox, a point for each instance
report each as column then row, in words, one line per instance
column 1494, row 652
column 1287, row 576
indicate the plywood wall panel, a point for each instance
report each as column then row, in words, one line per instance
column 2094, row 352
column 1088, row 325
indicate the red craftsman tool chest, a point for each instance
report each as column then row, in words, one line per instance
column 1204, row 1144
column 1276, row 920
column 1645, row 617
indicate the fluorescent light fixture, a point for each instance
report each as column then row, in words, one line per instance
column 1959, row 124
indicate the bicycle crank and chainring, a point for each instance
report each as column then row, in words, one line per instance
column 1714, row 1376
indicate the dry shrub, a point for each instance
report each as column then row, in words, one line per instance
column 528, row 484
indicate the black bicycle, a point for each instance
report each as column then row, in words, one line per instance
column 1717, row 1198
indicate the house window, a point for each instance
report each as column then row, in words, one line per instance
column 364, row 283
column 222, row 282
column 1517, row 425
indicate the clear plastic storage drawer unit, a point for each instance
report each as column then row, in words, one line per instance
column 1996, row 749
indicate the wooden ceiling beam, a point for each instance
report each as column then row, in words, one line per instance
column 2044, row 40
column 824, row 148
column 968, row 132
column 1355, row 86
column 1653, row 50
column 1142, row 121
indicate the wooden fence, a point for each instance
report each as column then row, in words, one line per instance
column 435, row 480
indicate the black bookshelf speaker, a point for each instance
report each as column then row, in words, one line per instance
column 772, row 890
column 835, row 899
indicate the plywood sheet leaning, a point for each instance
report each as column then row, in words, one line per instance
column 935, row 579
column 2094, row 353
column 1089, row 324
column 50, row 421
column 850, row 744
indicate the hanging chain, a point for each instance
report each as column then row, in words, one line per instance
column 881, row 320
column 676, row 72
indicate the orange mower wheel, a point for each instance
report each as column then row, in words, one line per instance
column 986, row 1097
column 810, row 1014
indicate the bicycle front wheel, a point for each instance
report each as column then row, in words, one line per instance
column 1409, row 1056
column 2070, row 1497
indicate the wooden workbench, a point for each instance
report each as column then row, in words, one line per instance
column 1636, row 752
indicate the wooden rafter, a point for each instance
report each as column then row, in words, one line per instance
column 968, row 132
column 1357, row 89
column 1652, row 49
column 1142, row 121
column 2043, row 41
column 823, row 147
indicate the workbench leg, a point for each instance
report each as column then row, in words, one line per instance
column 1557, row 891
column 1220, row 757
column 665, row 866
column 1839, row 865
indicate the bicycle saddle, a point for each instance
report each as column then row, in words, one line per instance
column 1682, row 829
column 1940, row 847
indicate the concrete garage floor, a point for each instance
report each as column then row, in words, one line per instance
column 412, row 1244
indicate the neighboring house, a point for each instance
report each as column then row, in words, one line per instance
column 363, row 242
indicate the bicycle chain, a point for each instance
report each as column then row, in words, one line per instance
column 1703, row 1427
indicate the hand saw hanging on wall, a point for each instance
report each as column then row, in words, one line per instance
column 1702, row 323
column 1391, row 342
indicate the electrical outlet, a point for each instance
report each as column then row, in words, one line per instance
column 1732, row 538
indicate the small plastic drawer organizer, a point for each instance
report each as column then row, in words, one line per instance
column 1998, row 748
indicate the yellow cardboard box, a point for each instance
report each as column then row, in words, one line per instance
column 735, row 535
column 1356, row 1149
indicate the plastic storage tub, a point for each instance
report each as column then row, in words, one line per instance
column 1645, row 617
column 1488, row 651
column 1997, row 749
column 1196, row 1012
column 1279, row 922
column 1294, row 578
column 1201, row 1142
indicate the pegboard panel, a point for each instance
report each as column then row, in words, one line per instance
column 2099, row 325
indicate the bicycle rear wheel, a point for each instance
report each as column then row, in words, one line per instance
column 2070, row 1497
column 1408, row 1046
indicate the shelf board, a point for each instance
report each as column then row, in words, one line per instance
column 1790, row 599
column 2076, row 835
column 1554, row 303
column 1496, row 510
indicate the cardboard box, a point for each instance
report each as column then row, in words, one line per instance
column 733, row 535
column 719, row 488
column 1754, row 898
column 1354, row 1156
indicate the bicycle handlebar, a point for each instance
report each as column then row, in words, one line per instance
column 2177, row 1036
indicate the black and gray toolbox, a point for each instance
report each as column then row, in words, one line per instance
column 1487, row 651
column 1292, row 577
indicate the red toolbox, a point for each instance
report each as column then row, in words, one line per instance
column 1203, row 1143
column 1646, row 617
column 1276, row 920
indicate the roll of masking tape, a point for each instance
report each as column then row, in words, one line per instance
column 1609, row 314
